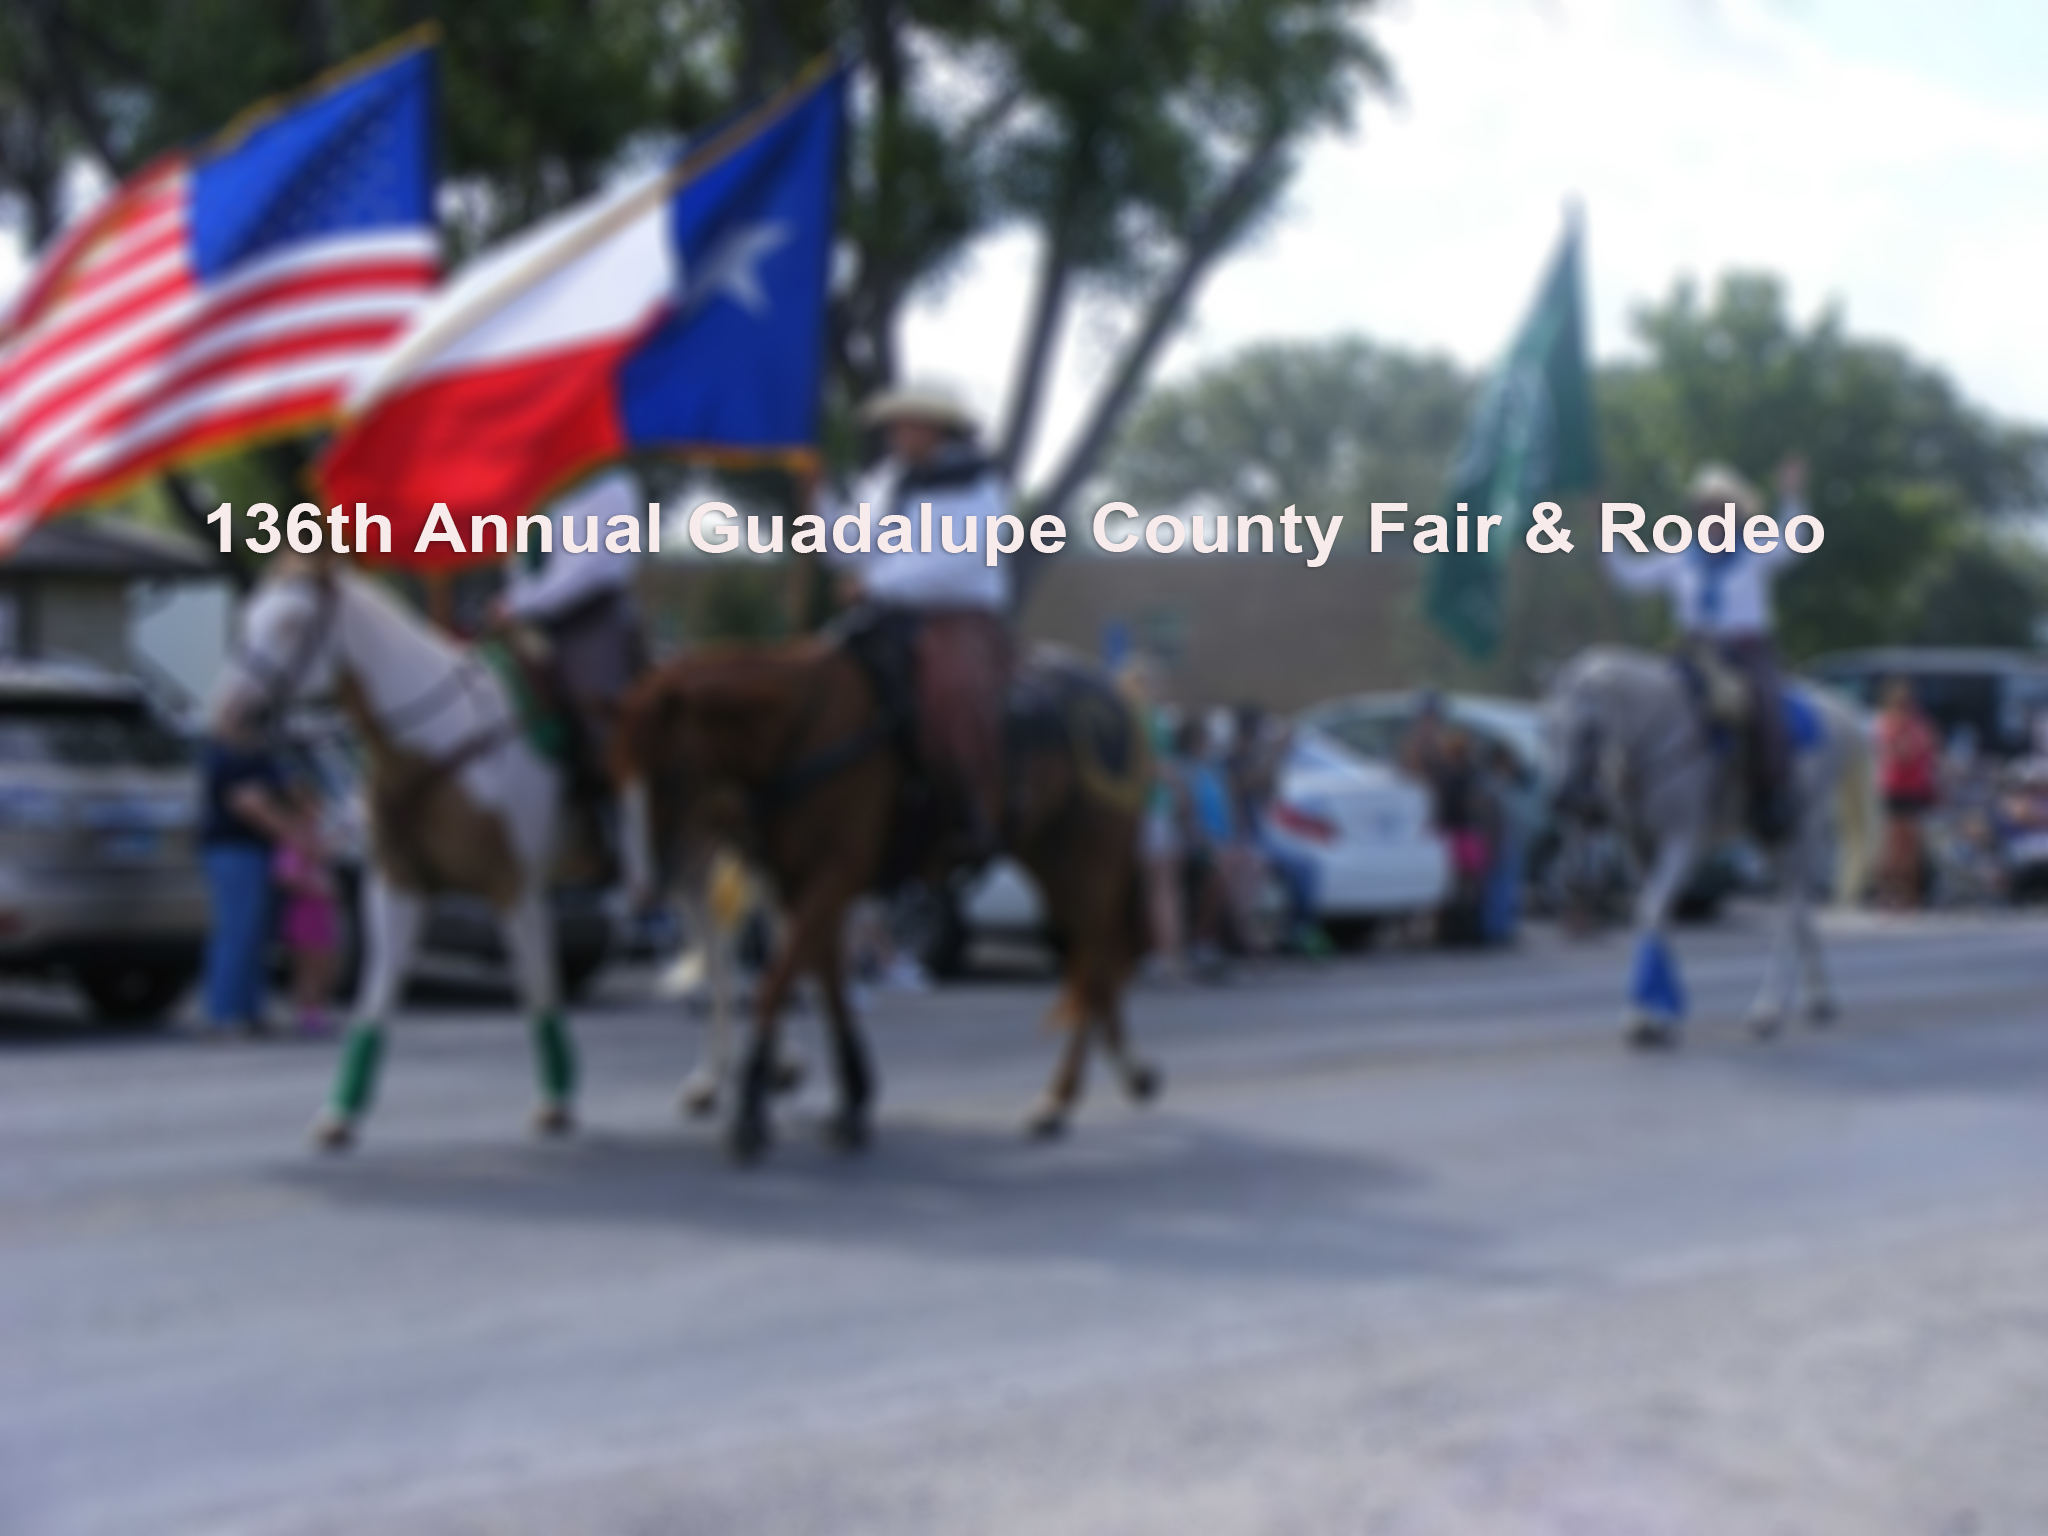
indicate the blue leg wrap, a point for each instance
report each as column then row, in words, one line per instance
column 1656, row 990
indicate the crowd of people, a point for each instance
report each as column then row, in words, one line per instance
column 1207, row 844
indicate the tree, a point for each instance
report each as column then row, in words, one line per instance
column 1907, row 475
column 1984, row 591
column 1331, row 425
column 1904, row 471
column 1335, row 426
column 1140, row 138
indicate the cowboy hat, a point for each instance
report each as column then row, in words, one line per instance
column 1715, row 485
column 918, row 402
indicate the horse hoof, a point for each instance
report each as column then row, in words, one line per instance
column 331, row 1133
column 1764, row 1026
column 1144, row 1082
column 848, row 1130
column 1653, row 1035
column 554, row 1120
column 746, row 1142
column 789, row 1075
column 1047, row 1123
column 698, row 1100
column 1820, row 1013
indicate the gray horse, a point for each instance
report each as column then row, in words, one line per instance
column 1633, row 749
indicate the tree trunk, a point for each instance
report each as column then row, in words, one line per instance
column 1212, row 234
column 1048, row 309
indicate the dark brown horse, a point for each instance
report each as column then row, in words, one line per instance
column 791, row 753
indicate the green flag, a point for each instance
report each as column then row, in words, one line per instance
column 1530, row 438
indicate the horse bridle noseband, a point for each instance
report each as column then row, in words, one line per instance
column 280, row 683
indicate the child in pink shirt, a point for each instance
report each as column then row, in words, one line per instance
column 310, row 922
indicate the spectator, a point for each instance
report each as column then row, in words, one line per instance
column 1512, row 793
column 1441, row 756
column 1464, row 816
column 243, row 817
column 1908, row 776
column 310, row 924
column 1211, row 830
column 1272, row 741
column 1422, row 747
column 1247, row 786
column 1164, row 845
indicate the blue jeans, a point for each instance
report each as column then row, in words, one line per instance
column 1298, row 876
column 238, row 881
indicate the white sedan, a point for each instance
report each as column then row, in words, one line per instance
column 1364, row 828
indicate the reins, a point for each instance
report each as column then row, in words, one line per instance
column 280, row 683
column 793, row 783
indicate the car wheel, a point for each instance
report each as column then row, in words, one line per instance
column 136, row 992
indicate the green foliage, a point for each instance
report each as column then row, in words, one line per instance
column 1330, row 426
column 1983, row 591
column 1907, row 476
column 1900, row 464
column 1142, row 138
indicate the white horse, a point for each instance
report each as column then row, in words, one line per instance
column 459, row 799
column 1631, row 745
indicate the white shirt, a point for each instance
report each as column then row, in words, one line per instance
column 570, row 578
column 935, row 579
column 1721, row 596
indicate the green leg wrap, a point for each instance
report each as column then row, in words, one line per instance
column 554, row 1057
column 355, row 1084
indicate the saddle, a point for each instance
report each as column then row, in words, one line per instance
column 884, row 644
column 557, row 732
column 1727, row 708
column 1056, row 704
column 1720, row 693
column 523, row 666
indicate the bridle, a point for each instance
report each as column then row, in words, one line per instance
column 278, row 683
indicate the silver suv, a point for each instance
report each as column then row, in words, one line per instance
column 99, row 876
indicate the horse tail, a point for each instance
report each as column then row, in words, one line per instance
column 1855, row 813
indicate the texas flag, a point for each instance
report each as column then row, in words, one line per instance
column 683, row 311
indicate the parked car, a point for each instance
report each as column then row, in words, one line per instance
column 1363, row 827
column 459, row 942
column 1995, row 696
column 99, row 874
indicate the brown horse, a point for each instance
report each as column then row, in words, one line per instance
column 790, row 753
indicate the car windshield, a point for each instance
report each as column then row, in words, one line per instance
column 86, row 733
column 1373, row 735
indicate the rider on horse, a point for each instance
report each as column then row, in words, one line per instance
column 934, row 473
column 1721, row 599
column 580, row 601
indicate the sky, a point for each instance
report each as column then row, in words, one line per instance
column 1890, row 158
column 1887, row 156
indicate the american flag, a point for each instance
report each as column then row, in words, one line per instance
column 222, row 296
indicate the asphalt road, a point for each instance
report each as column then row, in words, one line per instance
column 1410, row 1246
